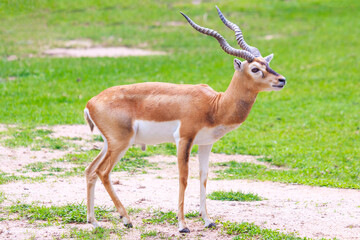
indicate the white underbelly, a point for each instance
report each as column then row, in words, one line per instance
column 150, row 132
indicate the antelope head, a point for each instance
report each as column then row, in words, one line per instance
column 256, row 69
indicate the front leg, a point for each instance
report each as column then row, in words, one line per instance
column 183, row 152
column 204, row 152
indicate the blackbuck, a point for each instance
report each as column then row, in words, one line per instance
column 187, row 115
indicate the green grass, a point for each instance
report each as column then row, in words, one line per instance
column 80, row 158
column 7, row 178
column 312, row 176
column 37, row 166
column 98, row 233
column 148, row 234
column 301, row 127
column 249, row 231
column 36, row 139
column 169, row 217
column 234, row 196
column 192, row 214
column 134, row 165
column 2, row 197
column 72, row 213
column 162, row 217
column 56, row 169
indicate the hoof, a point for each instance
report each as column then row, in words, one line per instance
column 211, row 225
column 185, row 230
column 128, row 225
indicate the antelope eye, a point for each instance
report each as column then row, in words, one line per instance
column 255, row 70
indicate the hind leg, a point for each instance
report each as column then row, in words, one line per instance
column 91, row 178
column 113, row 155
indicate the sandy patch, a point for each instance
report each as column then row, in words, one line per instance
column 15, row 159
column 73, row 131
column 87, row 48
column 23, row 230
column 8, row 79
column 3, row 127
column 100, row 52
column 272, row 36
column 12, row 58
column 309, row 211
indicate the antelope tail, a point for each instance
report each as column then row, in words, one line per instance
column 88, row 119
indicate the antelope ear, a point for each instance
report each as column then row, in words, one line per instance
column 269, row 58
column 237, row 64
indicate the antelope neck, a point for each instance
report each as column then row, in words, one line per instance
column 236, row 102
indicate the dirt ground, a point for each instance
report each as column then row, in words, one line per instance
column 86, row 48
column 315, row 212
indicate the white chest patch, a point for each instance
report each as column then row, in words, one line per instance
column 210, row 135
column 150, row 132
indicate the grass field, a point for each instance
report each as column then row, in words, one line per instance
column 311, row 127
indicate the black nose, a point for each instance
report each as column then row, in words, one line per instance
column 282, row 80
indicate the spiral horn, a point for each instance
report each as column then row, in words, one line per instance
column 238, row 34
column 223, row 43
